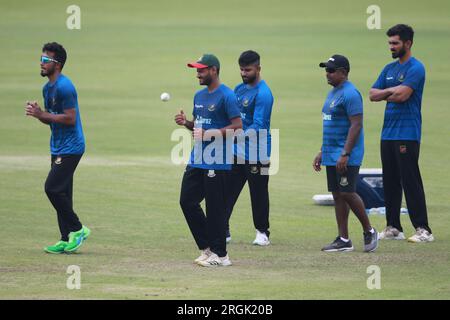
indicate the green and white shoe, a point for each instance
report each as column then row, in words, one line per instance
column 76, row 239
column 57, row 248
column 87, row 232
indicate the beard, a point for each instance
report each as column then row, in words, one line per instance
column 206, row 81
column 399, row 54
column 248, row 80
column 46, row 73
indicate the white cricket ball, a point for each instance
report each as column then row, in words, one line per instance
column 165, row 96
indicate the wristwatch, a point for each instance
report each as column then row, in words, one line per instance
column 345, row 154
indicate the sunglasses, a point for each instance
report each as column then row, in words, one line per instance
column 332, row 70
column 45, row 60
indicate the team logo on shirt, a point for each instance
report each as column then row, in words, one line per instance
column 212, row 107
column 401, row 78
column 326, row 117
column 58, row 160
column 245, row 102
column 211, row 174
column 344, row 181
column 254, row 169
column 201, row 120
column 332, row 104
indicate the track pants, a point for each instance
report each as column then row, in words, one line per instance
column 259, row 192
column 211, row 185
column 59, row 190
column 400, row 160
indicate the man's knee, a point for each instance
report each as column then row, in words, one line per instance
column 348, row 195
column 187, row 204
column 52, row 189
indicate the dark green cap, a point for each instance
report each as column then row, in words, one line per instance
column 205, row 61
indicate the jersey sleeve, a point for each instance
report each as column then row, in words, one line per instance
column 263, row 110
column 353, row 103
column 381, row 81
column 414, row 76
column 67, row 96
column 231, row 106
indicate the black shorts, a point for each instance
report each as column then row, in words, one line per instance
column 345, row 182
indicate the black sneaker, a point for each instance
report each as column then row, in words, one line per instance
column 370, row 241
column 338, row 245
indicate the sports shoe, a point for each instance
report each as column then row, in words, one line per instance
column 421, row 235
column 215, row 261
column 370, row 241
column 57, row 247
column 228, row 236
column 203, row 256
column 76, row 239
column 261, row 239
column 87, row 232
column 338, row 245
column 391, row 233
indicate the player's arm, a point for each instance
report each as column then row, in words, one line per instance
column 180, row 119
column 236, row 123
column 356, row 124
column 202, row 134
column 380, row 94
column 232, row 109
column 317, row 162
column 68, row 118
column 263, row 110
column 400, row 94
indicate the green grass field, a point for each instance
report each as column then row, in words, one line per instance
column 126, row 188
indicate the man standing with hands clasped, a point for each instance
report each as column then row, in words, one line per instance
column 342, row 153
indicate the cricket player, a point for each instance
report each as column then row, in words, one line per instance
column 401, row 84
column 67, row 145
column 216, row 114
column 342, row 153
column 253, row 151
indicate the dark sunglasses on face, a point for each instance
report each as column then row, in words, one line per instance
column 332, row 70
column 45, row 60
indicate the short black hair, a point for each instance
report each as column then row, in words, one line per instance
column 404, row 31
column 249, row 57
column 58, row 50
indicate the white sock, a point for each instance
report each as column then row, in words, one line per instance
column 345, row 240
column 372, row 230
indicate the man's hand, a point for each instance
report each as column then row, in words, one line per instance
column 317, row 162
column 341, row 164
column 180, row 118
column 32, row 109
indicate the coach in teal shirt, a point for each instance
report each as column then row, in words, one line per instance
column 342, row 153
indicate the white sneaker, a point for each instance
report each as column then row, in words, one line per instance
column 391, row 233
column 203, row 256
column 261, row 239
column 421, row 235
column 215, row 261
